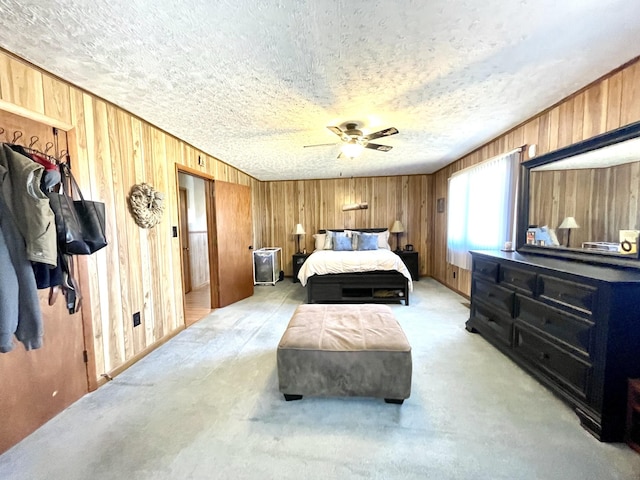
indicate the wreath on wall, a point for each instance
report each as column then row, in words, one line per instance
column 146, row 205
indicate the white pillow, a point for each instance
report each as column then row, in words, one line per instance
column 320, row 239
column 383, row 240
column 328, row 241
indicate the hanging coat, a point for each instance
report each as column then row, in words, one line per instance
column 26, row 202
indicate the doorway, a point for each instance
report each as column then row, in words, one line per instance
column 194, row 244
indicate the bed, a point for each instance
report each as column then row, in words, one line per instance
column 353, row 275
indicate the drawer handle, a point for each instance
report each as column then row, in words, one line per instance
column 544, row 356
column 546, row 321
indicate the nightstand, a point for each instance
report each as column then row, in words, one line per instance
column 298, row 260
column 412, row 262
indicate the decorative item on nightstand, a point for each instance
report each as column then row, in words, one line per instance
column 397, row 228
column 569, row 223
column 298, row 231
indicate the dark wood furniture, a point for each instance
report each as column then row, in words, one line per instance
column 297, row 262
column 574, row 326
column 365, row 287
column 362, row 287
column 412, row 261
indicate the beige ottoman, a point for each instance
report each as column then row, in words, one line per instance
column 344, row 350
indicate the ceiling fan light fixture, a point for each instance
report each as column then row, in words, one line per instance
column 352, row 149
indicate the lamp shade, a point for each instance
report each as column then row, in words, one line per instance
column 298, row 230
column 397, row 227
column 569, row 222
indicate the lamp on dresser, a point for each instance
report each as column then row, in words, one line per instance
column 397, row 228
column 569, row 223
column 298, row 231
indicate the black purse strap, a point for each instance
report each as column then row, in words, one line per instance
column 68, row 176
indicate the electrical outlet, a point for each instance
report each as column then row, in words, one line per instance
column 136, row 319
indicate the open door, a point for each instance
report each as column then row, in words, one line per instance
column 231, row 248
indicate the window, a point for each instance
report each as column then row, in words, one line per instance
column 481, row 213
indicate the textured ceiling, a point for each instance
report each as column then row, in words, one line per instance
column 252, row 82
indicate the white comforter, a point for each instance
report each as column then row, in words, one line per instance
column 323, row 262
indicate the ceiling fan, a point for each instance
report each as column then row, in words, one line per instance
column 355, row 141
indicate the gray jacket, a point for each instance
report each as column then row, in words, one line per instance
column 28, row 205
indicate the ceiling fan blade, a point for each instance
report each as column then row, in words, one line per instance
column 340, row 133
column 380, row 148
column 319, row 145
column 382, row 133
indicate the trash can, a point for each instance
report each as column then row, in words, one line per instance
column 267, row 265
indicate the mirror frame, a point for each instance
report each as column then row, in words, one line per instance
column 598, row 257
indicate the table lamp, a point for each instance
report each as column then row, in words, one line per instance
column 298, row 231
column 397, row 228
column 569, row 223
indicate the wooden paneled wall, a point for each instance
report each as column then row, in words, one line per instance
column 139, row 271
column 317, row 204
column 608, row 103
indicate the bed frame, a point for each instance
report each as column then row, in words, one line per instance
column 365, row 287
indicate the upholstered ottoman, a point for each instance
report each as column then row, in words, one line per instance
column 344, row 350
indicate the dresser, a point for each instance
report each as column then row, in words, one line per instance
column 573, row 326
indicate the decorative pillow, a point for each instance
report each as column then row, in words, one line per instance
column 319, row 239
column 328, row 240
column 342, row 242
column 383, row 240
column 368, row 241
column 354, row 238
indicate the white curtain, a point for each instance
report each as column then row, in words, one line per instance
column 482, row 205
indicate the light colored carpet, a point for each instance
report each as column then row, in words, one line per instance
column 206, row 406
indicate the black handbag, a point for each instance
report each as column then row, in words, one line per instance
column 80, row 224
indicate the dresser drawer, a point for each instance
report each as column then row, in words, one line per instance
column 490, row 293
column 490, row 322
column 571, row 372
column 571, row 294
column 523, row 280
column 562, row 326
column 485, row 268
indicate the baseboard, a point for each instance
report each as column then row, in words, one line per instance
column 106, row 377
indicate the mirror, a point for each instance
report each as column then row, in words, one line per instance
column 583, row 201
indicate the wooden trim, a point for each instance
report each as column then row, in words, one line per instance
column 86, row 310
column 214, row 280
column 139, row 356
column 194, row 172
column 35, row 116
